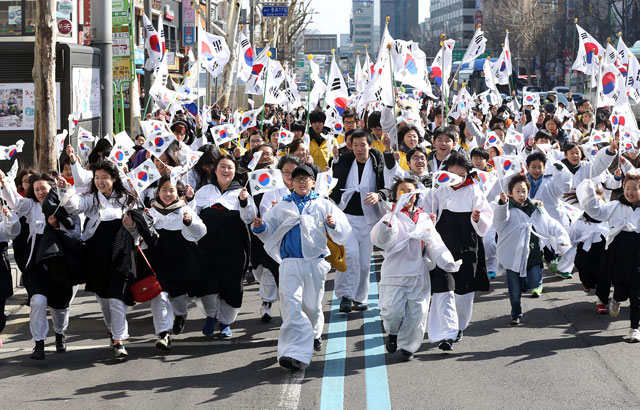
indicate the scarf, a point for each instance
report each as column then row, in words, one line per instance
column 572, row 168
column 166, row 210
column 300, row 200
column 535, row 184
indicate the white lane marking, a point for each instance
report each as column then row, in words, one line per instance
column 290, row 389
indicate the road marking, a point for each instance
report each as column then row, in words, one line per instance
column 291, row 386
column 374, row 360
column 334, row 359
column 176, row 344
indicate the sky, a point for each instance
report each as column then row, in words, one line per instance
column 333, row 15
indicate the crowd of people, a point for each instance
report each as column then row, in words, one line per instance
column 450, row 200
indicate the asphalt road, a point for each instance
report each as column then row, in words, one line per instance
column 564, row 356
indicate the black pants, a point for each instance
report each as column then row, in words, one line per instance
column 632, row 292
column 3, row 317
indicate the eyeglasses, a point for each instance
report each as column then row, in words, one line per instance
column 418, row 158
column 350, row 122
column 302, row 178
column 287, row 174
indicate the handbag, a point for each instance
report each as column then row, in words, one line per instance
column 337, row 256
column 147, row 288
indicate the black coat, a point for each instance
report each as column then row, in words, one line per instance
column 343, row 166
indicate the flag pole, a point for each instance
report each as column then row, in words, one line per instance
column 264, row 93
column 395, row 147
column 235, row 86
column 310, row 57
column 443, row 37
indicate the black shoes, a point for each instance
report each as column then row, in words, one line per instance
column 289, row 363
column 392, row 343
column 345, row 305
column 178, row 324
column 446, row 345
column 61, row 343
column 406, row 356
column 360, row 307
column 164, row 342
column 458, row 337
column 317, row 344
column 38, row 351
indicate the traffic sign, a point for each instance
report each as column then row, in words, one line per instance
column 275, row 11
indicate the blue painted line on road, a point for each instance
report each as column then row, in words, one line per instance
column 374, row 360
column 332, row 396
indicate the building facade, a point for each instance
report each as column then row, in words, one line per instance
column 403, row 18
column 455, row 18
column 362, row 26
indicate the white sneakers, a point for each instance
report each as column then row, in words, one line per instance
column 634, row 336
column 614, row 308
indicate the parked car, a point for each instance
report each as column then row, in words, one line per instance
column 303, row 87
column 563, row 90
column 532, row 88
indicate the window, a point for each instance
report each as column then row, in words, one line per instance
column 11, row 13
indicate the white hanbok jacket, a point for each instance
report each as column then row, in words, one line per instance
column 174, row 222
column 619, row 216
column 514, row 228
column 313, row 228
column 403, row 251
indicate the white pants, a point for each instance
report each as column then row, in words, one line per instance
column 180, row 305
column 114, row 312
column 443, row 318
column 162, row 313
column 565, row 262
column 215, row 307
column 490, row 247
column 268, row 288
column 354, row 282
column 38, row 323
column 464, row 308
column 301, row 292
column 404, row 310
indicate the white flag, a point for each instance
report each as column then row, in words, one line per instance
column 337, row 93
column 588, row 52
column 611, row 89
column 285, row 137
column 476, row 47
column 441, row 66
column 248, row 119
column 255, row 160
column 410, row 65
column 502, row 67
column 443, row 179
column 325, row 182
column 13, row 149
column 213, row 52
column 144, row 175
column 245, row 57
column 158, row 136
column 120, row 154
column 223, row 134
column 153, row 45
column 265, row 180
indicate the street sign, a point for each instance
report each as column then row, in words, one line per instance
column 275, row 11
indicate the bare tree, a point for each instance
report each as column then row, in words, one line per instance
column 533, row 29
column 43, row 73
column 232, row 33
column 286, row 31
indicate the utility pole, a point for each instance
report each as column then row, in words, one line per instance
column 252, row 22
column 44, row 79
column 208, row 27
column 148, row 10
column 101, row 36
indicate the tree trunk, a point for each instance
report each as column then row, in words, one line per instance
column 228, row 75
column 44, row 71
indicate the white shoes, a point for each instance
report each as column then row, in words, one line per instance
column 614, row 308
column 634, row 336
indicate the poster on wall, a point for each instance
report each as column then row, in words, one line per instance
column 86, row 91
column 17, row 102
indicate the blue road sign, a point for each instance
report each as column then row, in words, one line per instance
column 275, row 11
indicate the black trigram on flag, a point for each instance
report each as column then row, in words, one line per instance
column 335, row 85
column 217, row 45
column 378, row 94
column 244, row 43
column 583, row 36
column 479, row 39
